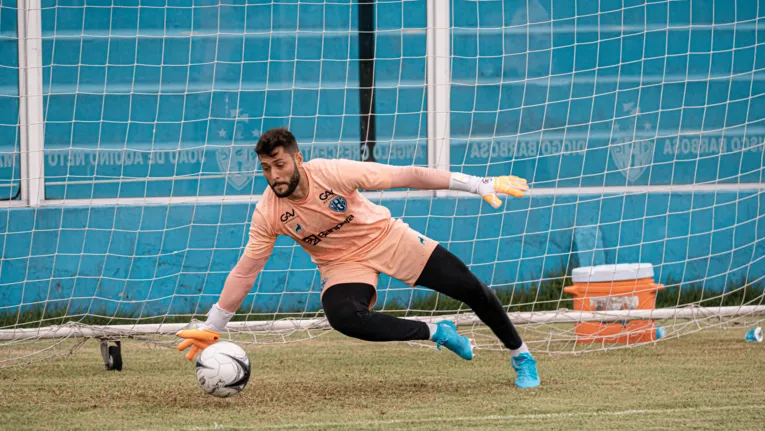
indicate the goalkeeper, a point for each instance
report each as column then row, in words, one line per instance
column 353, row 240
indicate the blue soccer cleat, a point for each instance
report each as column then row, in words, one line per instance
column 526, row 367
column 446, row 335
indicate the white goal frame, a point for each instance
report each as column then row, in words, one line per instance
column 71, row 330
column 438, row 41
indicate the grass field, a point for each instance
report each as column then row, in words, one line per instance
column 709, row 380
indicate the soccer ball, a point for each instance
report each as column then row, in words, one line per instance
column 223, row 369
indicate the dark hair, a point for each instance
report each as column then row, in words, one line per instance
column 275, row 138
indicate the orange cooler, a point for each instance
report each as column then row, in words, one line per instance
column 614, row 287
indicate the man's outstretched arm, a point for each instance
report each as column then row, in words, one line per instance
column 355, row 175
column 238, row 284
column 415, row 177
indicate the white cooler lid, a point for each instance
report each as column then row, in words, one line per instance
column 622, row 271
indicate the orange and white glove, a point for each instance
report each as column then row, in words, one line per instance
column 206, row 334
column 489, row 187
column 198, row 339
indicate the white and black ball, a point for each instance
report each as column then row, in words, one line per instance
column 223, row 369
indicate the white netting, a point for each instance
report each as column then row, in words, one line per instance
column 638, row 125
column 639, row 118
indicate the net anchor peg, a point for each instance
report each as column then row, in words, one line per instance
column 112, row 355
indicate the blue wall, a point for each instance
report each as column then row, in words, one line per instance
column 159, row 259
column 167, row 99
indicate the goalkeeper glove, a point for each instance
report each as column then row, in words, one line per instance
column 489, row 187
column 198, row 339
column 208, row 333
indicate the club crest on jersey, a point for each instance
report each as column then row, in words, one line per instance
column 298, row 228
column 338, row 204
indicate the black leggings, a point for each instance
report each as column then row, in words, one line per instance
column 347, row 305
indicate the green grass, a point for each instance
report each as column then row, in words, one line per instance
column 708, row 380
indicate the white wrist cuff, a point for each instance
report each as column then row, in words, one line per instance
column 464, row 183
column 218, row 318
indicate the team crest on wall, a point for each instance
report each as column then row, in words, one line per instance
column 632, row 143
column 239, row 163
column 632, row 159
column 338, row 204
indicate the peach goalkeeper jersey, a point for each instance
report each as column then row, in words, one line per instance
column 333, row 221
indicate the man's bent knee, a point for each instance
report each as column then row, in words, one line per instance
column 345, row 319
column 346, row 307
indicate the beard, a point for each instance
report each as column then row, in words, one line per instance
column 291, row 185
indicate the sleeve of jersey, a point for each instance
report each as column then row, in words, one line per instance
column 355, row 175
column 262, row 238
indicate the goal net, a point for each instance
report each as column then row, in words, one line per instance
column 128, row 174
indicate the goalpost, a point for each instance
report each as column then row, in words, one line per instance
column 128, row 174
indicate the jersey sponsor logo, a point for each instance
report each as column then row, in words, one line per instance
column 338, row 204
column 298, row 228
column 287, row 216
column 311, row 240
column 326, row 194
column 315, row 239
column 336, row 227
